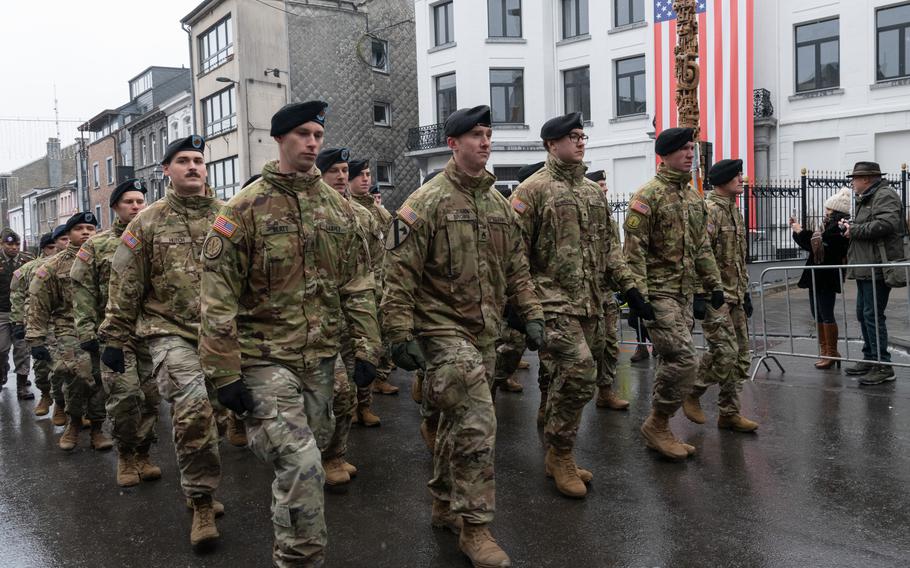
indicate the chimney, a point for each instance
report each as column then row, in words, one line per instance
column 54, row 163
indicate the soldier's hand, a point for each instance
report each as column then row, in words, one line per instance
column 512, row 318
column 364, row 373
column 18, row 331
column 699, row 307
column 113, row 358
column 40, row 353
column 408, row 355
column 535, row 335
column 717, row 299
column 747, row 305
column 91, row 346
column 638, row 304
column 237, row 397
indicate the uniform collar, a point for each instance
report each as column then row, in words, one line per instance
column 564, row 171
column 118, row 227
column 466, row 183
column 189, row 204
column 294, row 182
column 365, row 200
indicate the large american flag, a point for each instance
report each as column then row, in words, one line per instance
column 725, row 51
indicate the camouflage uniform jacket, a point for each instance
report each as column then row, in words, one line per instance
column 19, row 288
column 667, row 243
column 383, row 219
column 374, row 233
column 156, row 271
column 8, row 267
column 568, row 231
column 51, row 298
column 727, row 235
column 285, row 266
column 460, row 257
column 90, row 276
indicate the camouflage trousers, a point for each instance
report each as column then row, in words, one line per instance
column 457, row 384
column 293, row 413
column 509, row 348
column 609, row 355
column 727, row 360
column 176, row 368
column 671, row 336
column 132, row 400
column 20, row 348
column 53, row 383
column 80, row 374
column 364, row 395
column 572, row 342
column 344, row 403
column 43, row 377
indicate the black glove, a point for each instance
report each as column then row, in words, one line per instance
column 236, row 397
column 638, row 304
column 364, row 373
column 91, row 346
column 717, row 299
column 699, row 307
column 18, row 331
column 747, row 305
column 512, row 318
column 535, row 336
column 113, row 359
column 41, row 353
column 407, row 355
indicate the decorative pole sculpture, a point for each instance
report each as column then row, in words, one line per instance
column 687, row 77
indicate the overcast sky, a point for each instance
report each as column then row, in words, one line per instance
column 89, row 50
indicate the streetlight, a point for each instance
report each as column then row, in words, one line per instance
column 157, row 176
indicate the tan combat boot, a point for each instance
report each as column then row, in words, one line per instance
column 217, row 506
column 44, row 405
column 127, row 473
column 428, row 433
column 641, row 353
column 335, row 473
column 99, row 439
column 236, row 431
column 656, row 431
column 560, row 464
column 542, row 409
column 584, row 475
column 366, row 416
column 384, row 387
column 523, row 365
column 417, row 387
column 349, row 467
column 692, row 407
column 59, row 417
column 444, row 518
column 478, row 544
column 606, row 398
column 512, row 385
column 70, row 437
column 736, row 422
column 204, row 529
column 147, row 470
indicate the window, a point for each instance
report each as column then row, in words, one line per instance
column 444, row 23
column 216, row 44
column 175, row 130
column 379, row 55
column 628, row 12
column 817, row 55
column 507, row 95
column 219, row 112
column 504, row 18
column 446, row 99
column 142, row 151
column 577, row 91
column 109, row 166
column 384, row 173
column 139, row 86
column 893, row 29
column 153, row 147
column 98, row 212
column 382, row 114
column 630, row 86
column 187, row 128
column 162, row 139
column 96, row 174
column 574, row 18
column 223, row 177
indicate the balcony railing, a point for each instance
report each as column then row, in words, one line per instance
column 426, row 137
column 761, row 103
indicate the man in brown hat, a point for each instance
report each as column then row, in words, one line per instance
column 875, row 237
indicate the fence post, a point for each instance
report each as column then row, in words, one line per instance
column 747, row 197
column 904, row 192
column 803, row 196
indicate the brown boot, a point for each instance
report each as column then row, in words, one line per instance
column 736, row 422
column 86, row 423
column 417, row 387
column 561, row 465
column 204, row 529
column 127, row 472
column 542, row 409
column 384, row 387
column 23, row 392
column 236, row 431
column 99, row 439
column 335, row 473
column 584, row 475
column 428, row 433
column 641, row 353
column 444, row 518
column 147, row 470
column 349, row 467
column 512, row 385
column 366, row 416
column 692, row 407
column 606, row 398
column 478, row 544
column 70, row 437
column 217, row 506
column 827, row 338
column 656, row 431
column 59, row 417
column 44, row 405
column 523, row 365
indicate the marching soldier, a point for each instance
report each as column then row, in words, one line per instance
column 670, row 256
column 11, row 260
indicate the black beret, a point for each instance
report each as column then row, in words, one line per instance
column 293, row 115
column 527, row 171
column 599, row 175
column 190, row 143
column 59, row 231
column 47, row 239
column 724, row 170
column 331, row 156
column 556, row 128
column 374, row 189
column 252, row 179
column 84, row 217
column 356, row 167
column 431, row 175
column 464, row 119
column 128, row 185
column 672, row 139
column 9, row 236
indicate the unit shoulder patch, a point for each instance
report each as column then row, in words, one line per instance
column 213, row 247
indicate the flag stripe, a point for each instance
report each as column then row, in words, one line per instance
column 702, row 79
column 734, row 81
column 718, row 81
column 658, row 79
column 672, row 65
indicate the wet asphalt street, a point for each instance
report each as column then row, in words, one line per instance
column 825, row 482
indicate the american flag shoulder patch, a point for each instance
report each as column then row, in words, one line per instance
column 224, row 226
column 130, row 240
column 408, row 215
column 519, row 206
column 41, row 273
column 17, row 274
column 640, row 207
column 83, row 255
